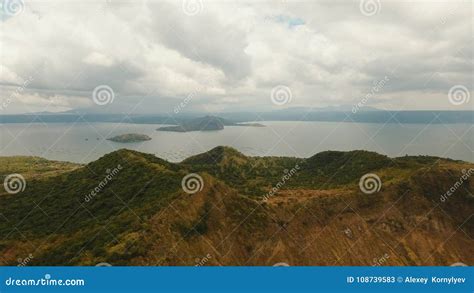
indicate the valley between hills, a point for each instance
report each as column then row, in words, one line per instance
column 131, row 208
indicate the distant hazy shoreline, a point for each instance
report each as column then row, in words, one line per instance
column 374, row 116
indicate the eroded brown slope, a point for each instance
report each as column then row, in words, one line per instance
column 403, row 224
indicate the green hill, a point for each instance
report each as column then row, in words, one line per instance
column 129, row 208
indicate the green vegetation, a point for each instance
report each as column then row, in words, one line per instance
column 30, row 167
column 126, row 204
column 130, row 137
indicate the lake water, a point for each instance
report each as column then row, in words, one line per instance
column 84, row 142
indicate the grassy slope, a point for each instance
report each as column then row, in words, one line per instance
column 31, row 167
column 143, row 217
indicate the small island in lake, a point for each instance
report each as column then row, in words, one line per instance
column 207, row 123
column 130, row 137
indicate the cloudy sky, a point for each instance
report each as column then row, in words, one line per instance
column 156, row 56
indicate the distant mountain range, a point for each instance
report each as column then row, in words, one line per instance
column 330, row 114
column 131, row 208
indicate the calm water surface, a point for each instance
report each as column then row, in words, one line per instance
column 85, row 142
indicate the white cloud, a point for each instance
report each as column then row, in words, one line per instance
column 232, row 53
column 96, row 58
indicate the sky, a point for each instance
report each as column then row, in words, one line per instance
column 143, row 57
